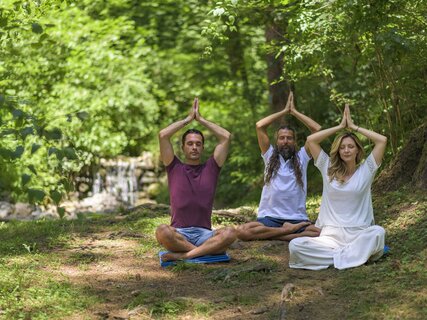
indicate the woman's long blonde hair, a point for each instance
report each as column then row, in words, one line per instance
column 337, row 169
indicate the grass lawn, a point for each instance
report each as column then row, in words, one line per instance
column 106, row 267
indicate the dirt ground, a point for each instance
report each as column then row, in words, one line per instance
column 248, row 287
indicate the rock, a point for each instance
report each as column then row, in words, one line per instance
column 137, row 311
column 49, row 213
column 287, row 292
column 100, row 202
column 23, row 210
column 260, row 310
column 153, row 190
column 83, row 187
column 6, row 209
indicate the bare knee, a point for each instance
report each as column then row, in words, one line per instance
column 164, row 232
column 228, row 234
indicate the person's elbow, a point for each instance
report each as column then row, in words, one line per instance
column 317, row 128
column 310, row 138
column 162, row 135
column 383, row 140
column 259, row 125
column 226, row 137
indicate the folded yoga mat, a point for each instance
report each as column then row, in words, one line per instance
column 203, row 259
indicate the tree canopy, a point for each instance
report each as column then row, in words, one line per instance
column 85, row 79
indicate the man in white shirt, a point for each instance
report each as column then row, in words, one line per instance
column 282, row 212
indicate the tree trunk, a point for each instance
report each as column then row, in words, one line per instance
column 279, row 90
column 235, row 52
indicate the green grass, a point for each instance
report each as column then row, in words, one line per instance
column 26, row 292
column 391, row 288
column 395, row 286
column 161, row 305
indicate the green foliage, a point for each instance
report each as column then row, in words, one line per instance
column 86, row 79
column 80, row 90
column 368, row 54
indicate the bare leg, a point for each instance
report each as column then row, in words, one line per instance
column 310, row 231
column 172, row 240
column 221, row 240
column 258, row 231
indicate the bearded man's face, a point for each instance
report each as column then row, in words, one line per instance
column 286, row 143
column 287, row 151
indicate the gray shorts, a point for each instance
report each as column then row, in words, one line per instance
column 196, row 235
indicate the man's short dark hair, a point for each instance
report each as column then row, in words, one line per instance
column 192, row 131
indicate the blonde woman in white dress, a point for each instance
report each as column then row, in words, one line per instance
column 349, row 236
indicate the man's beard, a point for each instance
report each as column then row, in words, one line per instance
column 287, row 152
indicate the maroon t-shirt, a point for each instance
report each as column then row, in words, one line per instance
column 192, row 190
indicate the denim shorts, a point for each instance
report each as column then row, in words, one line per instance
column 277, row 223
column 196, row 235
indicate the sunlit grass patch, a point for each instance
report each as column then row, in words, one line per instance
column 161, row 306
column 149, row 225
column 19, row 237
column 28, row 292
column 148, row 248
column 394, row 286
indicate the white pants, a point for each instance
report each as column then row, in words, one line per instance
column 342, row 247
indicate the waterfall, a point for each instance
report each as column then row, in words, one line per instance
column 97, row 184
column 125, row 178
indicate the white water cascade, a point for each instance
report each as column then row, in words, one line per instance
column 125, row 178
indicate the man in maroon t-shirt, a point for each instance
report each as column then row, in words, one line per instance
column 192, row 186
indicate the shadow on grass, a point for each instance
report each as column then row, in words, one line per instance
column 394, row 286
column 22, row 237
column 249, row 286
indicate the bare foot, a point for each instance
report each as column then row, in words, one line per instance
column 291, row 228
column 173, row 256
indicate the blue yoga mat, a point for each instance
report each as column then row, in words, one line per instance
column 203, row 259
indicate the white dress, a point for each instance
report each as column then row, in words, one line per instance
column 348, row 237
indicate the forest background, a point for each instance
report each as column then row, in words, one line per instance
column 81, row 80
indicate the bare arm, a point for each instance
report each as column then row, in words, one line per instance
column 166, row 149
column 379, row 140
column 262, row 125
column 223, row 136
column 312, row 125
column 314, row 140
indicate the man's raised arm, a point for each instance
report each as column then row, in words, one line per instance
column 262, row 125
column 312, row 125
column 223, row 136
column 166, row 149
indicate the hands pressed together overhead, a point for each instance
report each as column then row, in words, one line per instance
column 290, row 104
column 194, row 112
column 346, row 121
